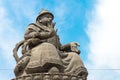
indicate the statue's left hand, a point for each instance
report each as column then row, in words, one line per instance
column 52, row 25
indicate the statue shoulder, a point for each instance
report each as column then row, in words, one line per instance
column 33, row 26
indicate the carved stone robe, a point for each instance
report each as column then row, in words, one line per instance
column 44, row 55
column 51, row 53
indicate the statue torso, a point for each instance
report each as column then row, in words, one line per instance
column 39, row 28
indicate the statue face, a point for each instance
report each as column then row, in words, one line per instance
column 45, row 18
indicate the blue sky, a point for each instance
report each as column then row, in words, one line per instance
column 93, row 23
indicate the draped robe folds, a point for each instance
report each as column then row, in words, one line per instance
column 73, row 63
column 43, row 57
column 47, row 53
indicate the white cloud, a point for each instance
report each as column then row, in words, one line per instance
column 60, row 14
column 21, row 9
column 10, row 33
column 104, row 35
column 60, row 11
column 8, row 37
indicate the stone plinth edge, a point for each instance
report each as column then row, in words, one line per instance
column 49, row 76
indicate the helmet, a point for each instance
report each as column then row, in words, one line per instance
column 43, row 11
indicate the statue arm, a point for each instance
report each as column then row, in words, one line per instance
column 46, row 35
column 71, row 47
column 65, row 47
column 30, row 33
column 35, row 32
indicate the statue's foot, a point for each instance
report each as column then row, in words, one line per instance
column 53, row 70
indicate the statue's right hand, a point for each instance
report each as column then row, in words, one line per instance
column 74, row 48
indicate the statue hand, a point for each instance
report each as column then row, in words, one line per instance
column 51, row 31
column 73, row 46
column 51, row 25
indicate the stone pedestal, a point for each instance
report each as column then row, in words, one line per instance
column 49, row 76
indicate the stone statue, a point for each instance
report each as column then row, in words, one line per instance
column 43, row 54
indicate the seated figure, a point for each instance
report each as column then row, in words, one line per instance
column 43, row 52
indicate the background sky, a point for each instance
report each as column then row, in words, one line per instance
column 95, row 24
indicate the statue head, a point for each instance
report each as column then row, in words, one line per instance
column 44, row 12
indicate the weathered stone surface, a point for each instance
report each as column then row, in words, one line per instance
column 49, row 76
column 44, row 57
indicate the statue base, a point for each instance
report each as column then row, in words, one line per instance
column 49, row 76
